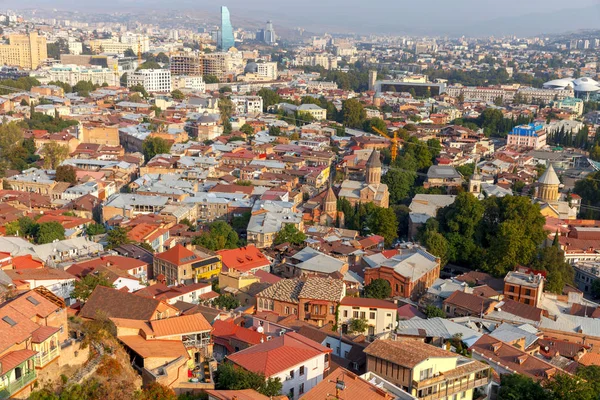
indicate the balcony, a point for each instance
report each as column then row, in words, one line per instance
column 448, row 390
column 316, row 315
column 17, row 384
column 43, row 358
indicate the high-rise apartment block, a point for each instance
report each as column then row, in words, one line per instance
column 194, row 64
column 24, row 50
column 269, row 35
column 153, row 80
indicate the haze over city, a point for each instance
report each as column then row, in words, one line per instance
column 436, row 17
column 318, row 200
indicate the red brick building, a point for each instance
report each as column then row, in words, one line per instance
column 410, row 273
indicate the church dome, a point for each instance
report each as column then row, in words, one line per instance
column 549, row 177
column 251, row 67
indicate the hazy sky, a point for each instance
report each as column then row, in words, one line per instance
column 388, row 16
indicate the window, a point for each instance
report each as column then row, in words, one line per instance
column 306, row 307
column 362, row 315
column 426, row 373
column 292, row 374
column 527, row 292
column 328, row 346
column 301, row 388
column 345, row 313
column 355, row 314
column 291, row 393
column 287, row 310
column 302, row 368
column 332, row 310
column 372, row 315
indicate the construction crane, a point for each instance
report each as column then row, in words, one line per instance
column 394, row 139
column 117, row 77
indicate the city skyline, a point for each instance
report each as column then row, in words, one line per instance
column 462, row 17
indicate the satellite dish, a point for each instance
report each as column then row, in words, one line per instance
column 260, row 329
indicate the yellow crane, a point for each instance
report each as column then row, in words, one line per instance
column 394, row 139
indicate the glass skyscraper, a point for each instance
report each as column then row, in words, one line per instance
column 226, row 35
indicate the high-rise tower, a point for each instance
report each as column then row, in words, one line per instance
column 269, row 34
column 226, row 40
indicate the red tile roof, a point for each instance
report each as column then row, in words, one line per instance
column 229, row 330
column 278, row 354
column 119, row 262
column 43, row 333
column 26, row 262
column 182, row 325
column 243, row 259
column 365, row 302
column 14, row 358
column 178, row 255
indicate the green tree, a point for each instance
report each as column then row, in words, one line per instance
column 353, row 113
column 117, row 237
column 520, row 387
column 400, row 184
column 274, row 130
column 48, row 232
column 230, row 377
column 289, row 234
column 436, row 244
column 11, row 136
column 226, row 301
column 66, row 173
column 152, row 146
column 219, row 236
column 358, row 325
column 432, row 311
column 382, row 221
column 247, row 129
column 269, row 97
column 240, row 223
column 375, row 122
column 84, row 287
column 149, row 65
column 177, row 94
column 95, row 229
column 210, row 79
column 378, row 289
column 596, row 288
column 559, row 272
column 564, row 386
column 53, row 154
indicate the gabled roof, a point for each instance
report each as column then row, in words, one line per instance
column 182, row 325
column 118, row 304
column 230, row 330
column 476, row 305
column 407, row 353
column 279, row 354
column 178, row 255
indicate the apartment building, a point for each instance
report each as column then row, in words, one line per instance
column 247, row 104
column 129, row 41
column 32, row 326
column 425, row 371
column 380, row 315
column 72, row 74
column 27, row 51
column 523, row 136
column 180, row 264
column 189, row 82
column 312, row 299
column 298, row 362
column 526, row 288
column 153, row 80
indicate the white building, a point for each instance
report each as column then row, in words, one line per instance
column 72, row 74
column 296, row 360
column 247, row 104
column 153, row 80
column 380, row 315
column 75, row 47
column 267, row 70
column 188, row 82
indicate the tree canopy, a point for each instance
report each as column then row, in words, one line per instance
column 66, row 173
column 117, row 236
column 153, row 146
column 230, row 377
column 289, row 234
column 378, row 289
column 86, row 285
column 220, row 236
column 368, row 218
